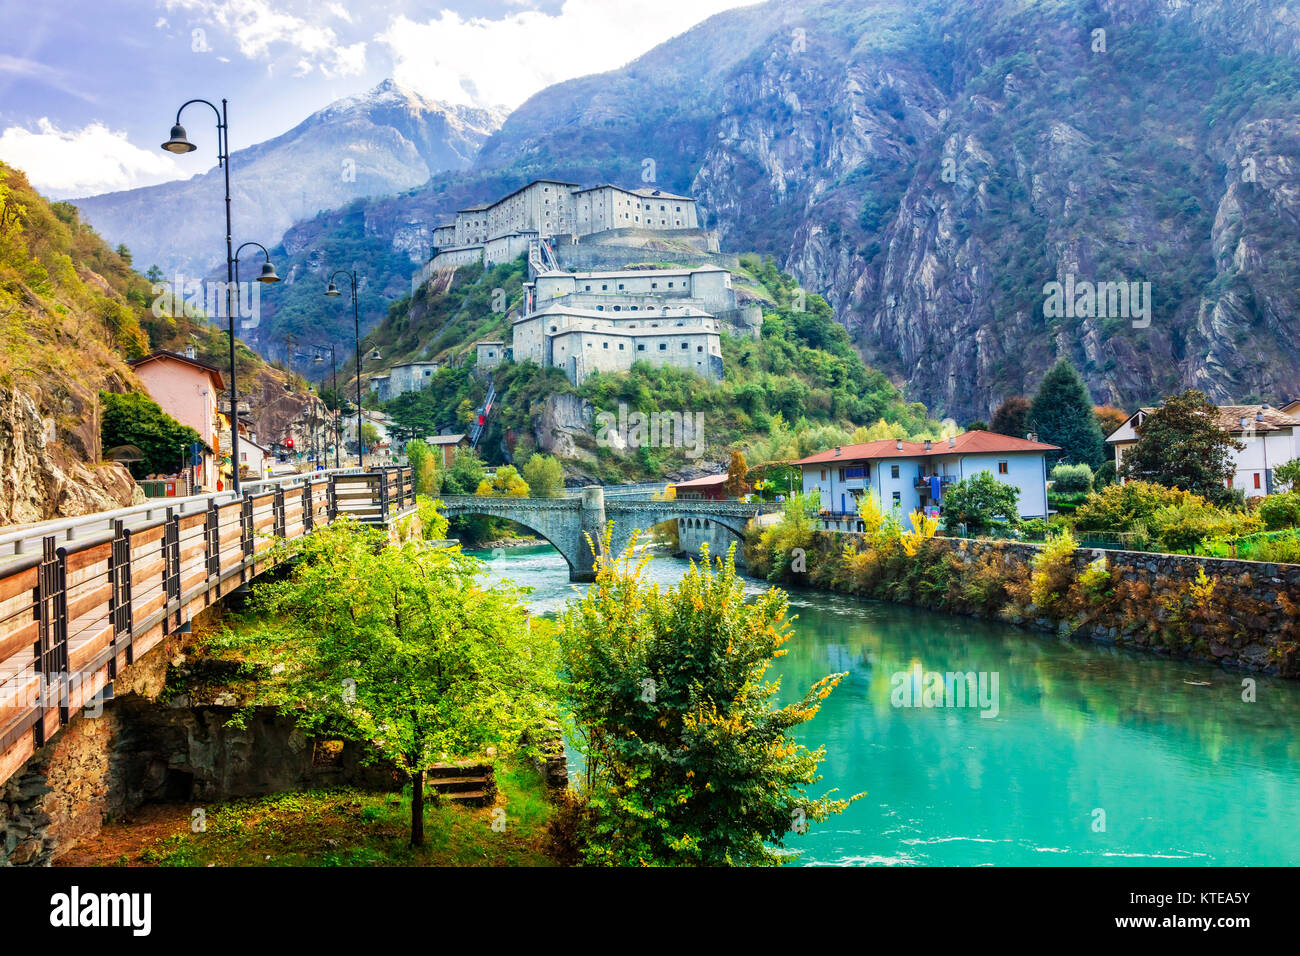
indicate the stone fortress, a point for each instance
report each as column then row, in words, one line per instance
column 590, row 304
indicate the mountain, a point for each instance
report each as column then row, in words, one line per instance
column 374, row 144
column 932, row 168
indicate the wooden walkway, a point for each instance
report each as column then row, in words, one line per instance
column 81, row 599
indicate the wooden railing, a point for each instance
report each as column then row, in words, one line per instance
column 83, row 598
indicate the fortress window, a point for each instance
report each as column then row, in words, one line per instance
column 663, row 346
column 661, row 208
column 679, row 222
column 679, row 208
column 670, row 285
column 552, row 328
column 604, row 345
column 654, row 285
column 604, row 288
column 620, row 346
column 699, row 348
column 685, row 346
column 640, row 348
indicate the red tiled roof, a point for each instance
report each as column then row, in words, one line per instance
column 975, row 442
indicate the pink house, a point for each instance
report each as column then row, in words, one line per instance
column 187, row 390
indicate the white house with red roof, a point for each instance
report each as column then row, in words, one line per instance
column 911, row 476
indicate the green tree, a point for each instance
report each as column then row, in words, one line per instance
column 1181, row 445
column 688, row 760
column 136, row 419
column 505, row 483
column 1061, row 414
column 1286, row 477
column 979, row 502
column 369, row 435
column 544, row 475
column 464, row 475
column 399, row 646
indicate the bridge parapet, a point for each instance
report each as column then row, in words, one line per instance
column 83, row 598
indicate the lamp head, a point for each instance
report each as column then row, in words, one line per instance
column 268, row 273
column 332, row 290
column 178, row 143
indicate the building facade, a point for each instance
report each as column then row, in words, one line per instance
column 187, row 390
column 908, row 476
column 1271, row 437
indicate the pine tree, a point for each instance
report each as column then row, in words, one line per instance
column 1061, row 414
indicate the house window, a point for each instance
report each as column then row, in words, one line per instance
column 823, row 474
column 841, row 474
column 893, row 473
column 898, row 497
column 1003, row 468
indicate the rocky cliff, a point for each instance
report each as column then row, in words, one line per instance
column 932, row 167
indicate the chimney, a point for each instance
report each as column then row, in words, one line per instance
column 927, row 444
column 899, row 444
column 837, row 451
column 952, row 441
column 189, row 351
column 1259, row 416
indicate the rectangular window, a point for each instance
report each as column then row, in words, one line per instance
column 823, row 474
column 893, row 473
column 604, row 345
column 841, row 474
column 663, row 346
column 685, row 347
column 898, row 497
column 1003, row 468
column 640, row 348
column 1256, row 479
column 620, row 346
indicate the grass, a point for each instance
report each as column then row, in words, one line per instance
column 355, row 828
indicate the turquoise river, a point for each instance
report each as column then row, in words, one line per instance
column 1096, row 756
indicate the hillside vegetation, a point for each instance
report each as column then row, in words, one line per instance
column 72, row 312
column 801, row 386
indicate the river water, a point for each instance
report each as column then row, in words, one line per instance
column 1095, row 757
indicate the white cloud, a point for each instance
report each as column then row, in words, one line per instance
column 65, row 164
column 502, row 62
column 260, row 31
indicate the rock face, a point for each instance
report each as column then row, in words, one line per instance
column 931, row 167
column 383, row 141
column 43, row 469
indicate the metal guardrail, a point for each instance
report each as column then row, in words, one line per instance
column 84, row 597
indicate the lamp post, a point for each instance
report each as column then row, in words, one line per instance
column 179, row 143
column 338, row 399
column 332, row 291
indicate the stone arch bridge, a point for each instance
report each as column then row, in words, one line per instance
column 566, row 522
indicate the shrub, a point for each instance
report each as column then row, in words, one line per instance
column 1067, row 479
column 1119, row 508
column 1280, row 511
column 1053, row 573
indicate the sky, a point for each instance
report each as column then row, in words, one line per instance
column 89, row 89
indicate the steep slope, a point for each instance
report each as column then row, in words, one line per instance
column 374, row 144
column 72, row 311
column 931, row 167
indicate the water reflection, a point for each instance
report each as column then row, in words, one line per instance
column 1180, row 773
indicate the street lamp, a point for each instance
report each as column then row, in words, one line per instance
column 338, row 399
column 179, row 143
column 332, row 291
